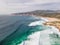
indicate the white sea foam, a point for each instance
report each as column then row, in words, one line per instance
column 36, row 23
column 41, row 37
column 55, row 30
column 34, row 39
column 43, row 20
column 38, row 38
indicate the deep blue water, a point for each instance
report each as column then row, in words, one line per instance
column 15, row 29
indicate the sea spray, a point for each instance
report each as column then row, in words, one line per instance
column 44, row 37
column 50, row 36
column 34, row 39
column 36, row 23
column 40, row 22
column 55, row 30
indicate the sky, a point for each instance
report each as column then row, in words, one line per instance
column 12, row 6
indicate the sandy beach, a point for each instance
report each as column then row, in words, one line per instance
column 52, row 19
column 53, row 22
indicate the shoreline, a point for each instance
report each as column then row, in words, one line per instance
column 53, row 22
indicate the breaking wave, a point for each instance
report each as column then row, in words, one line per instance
column 27, row 30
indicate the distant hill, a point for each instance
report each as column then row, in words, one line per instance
column 38, row 12
column 45, row 13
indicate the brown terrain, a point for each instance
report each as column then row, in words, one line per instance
column 53, row 22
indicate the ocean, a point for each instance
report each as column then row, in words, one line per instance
column 27, row 30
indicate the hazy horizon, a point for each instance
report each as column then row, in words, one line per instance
column 12, row 6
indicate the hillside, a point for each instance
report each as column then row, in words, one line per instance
column 44, row 13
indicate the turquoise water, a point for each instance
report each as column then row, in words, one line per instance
column 14, row 30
